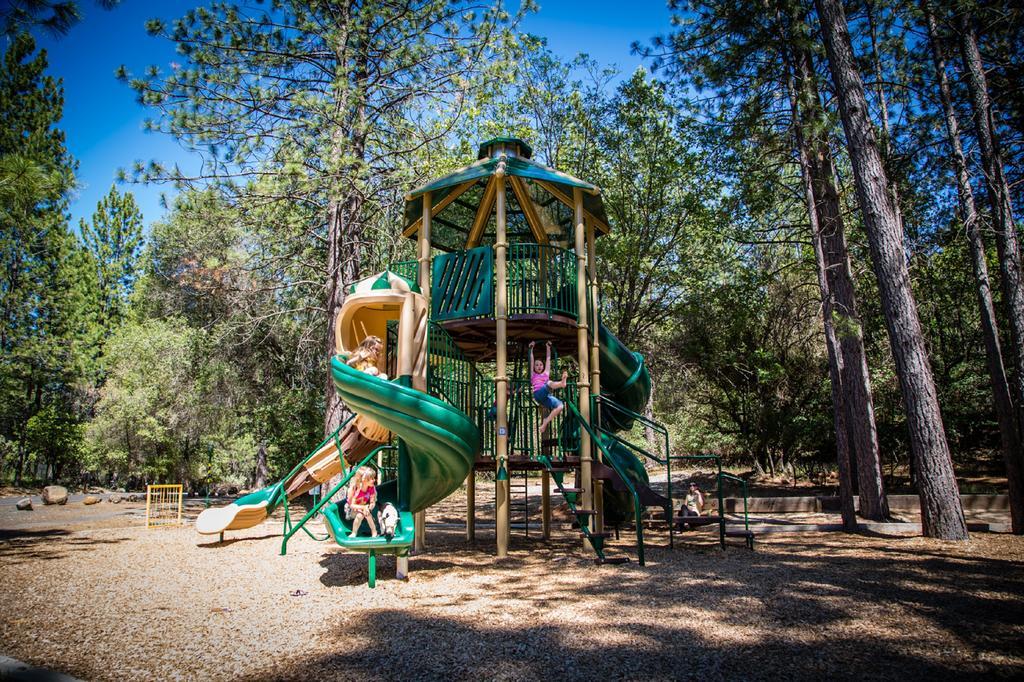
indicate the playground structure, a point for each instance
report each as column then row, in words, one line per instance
column 163, row 505
column 506, row 255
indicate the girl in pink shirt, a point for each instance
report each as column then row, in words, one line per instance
column 543, row 388
column 362, row 498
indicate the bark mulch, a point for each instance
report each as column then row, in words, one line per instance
column 126, row 603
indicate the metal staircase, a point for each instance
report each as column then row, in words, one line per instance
column 584, row 517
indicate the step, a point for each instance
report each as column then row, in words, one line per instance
column 605, row 534
column 566, row 489
column 584, row 512
column 698, row 520
column 612, row 560
column 748, row 536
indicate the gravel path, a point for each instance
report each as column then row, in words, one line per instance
column 126, row 603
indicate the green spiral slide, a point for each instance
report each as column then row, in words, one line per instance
column 440, row 443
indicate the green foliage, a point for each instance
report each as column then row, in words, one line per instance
column 753, row 363
column 150, row 416
column 176, row 358
column 662, row 202
column 43, row 297
column 114, row 241
column 55, row 434
column 56, row 17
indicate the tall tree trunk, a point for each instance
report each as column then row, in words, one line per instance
column 883, row 105
column 835, row 360
column 999, row 199
column 260, row 475
column 343, row 263
column 941, row 513
column 858, row 400
column 653, row 441
column 345, row 210
column 871, row 484
column 1009, row 427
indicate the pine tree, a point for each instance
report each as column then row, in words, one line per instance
column 941, row 513
column 1009, row 429
column 738, row 54
column 41, row 307
column 114, row 240
column 322, row 105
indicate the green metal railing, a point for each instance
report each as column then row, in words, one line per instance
column 602, row 406
column 718, row 492
column 603, row 403
column 280, row 492
column 326, row 499
column 571, row 498
column 483, row 399
column 462, row 284
column 541, row 280
column 746, row 497
column 449, row 370
column 409, row 269
column 524, row 417
column 608, row 459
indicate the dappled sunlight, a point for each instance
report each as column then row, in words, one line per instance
column 824, row 604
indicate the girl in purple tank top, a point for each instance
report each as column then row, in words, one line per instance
column 543, row 388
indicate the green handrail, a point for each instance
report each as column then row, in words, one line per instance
column 743, row 484
column 607, row 402
column 332, row 436
column 409, row 269
column 570, row 499
column 600, row 401
column 449, row 370
column 603, row 400
column 622, row 475
column 718, row 477
column 327, row 497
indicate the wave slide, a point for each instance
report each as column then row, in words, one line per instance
column 317, row 468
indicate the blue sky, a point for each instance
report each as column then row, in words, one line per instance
column 103, row 122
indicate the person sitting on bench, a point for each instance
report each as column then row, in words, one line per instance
column 693, row 505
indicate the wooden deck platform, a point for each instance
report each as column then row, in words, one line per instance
column 519, row 464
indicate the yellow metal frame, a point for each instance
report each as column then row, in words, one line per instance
column 165, row 496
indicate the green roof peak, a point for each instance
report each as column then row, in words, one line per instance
column 513, row 144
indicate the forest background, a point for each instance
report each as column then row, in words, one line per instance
column 741, row 264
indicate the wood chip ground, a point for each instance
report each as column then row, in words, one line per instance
column 120, row 602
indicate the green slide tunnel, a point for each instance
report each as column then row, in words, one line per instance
column 626, row 381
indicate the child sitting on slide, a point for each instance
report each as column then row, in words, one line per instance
column 544, row 388
column 362, row 498
column 365, row 357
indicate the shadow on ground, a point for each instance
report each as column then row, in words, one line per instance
column 26, row 546
column 795, row 611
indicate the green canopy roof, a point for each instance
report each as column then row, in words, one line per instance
column 459, row 196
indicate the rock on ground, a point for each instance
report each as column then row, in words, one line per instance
column 91, row 499
column 55, row 494
column 24, row 504
column 114, row 499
